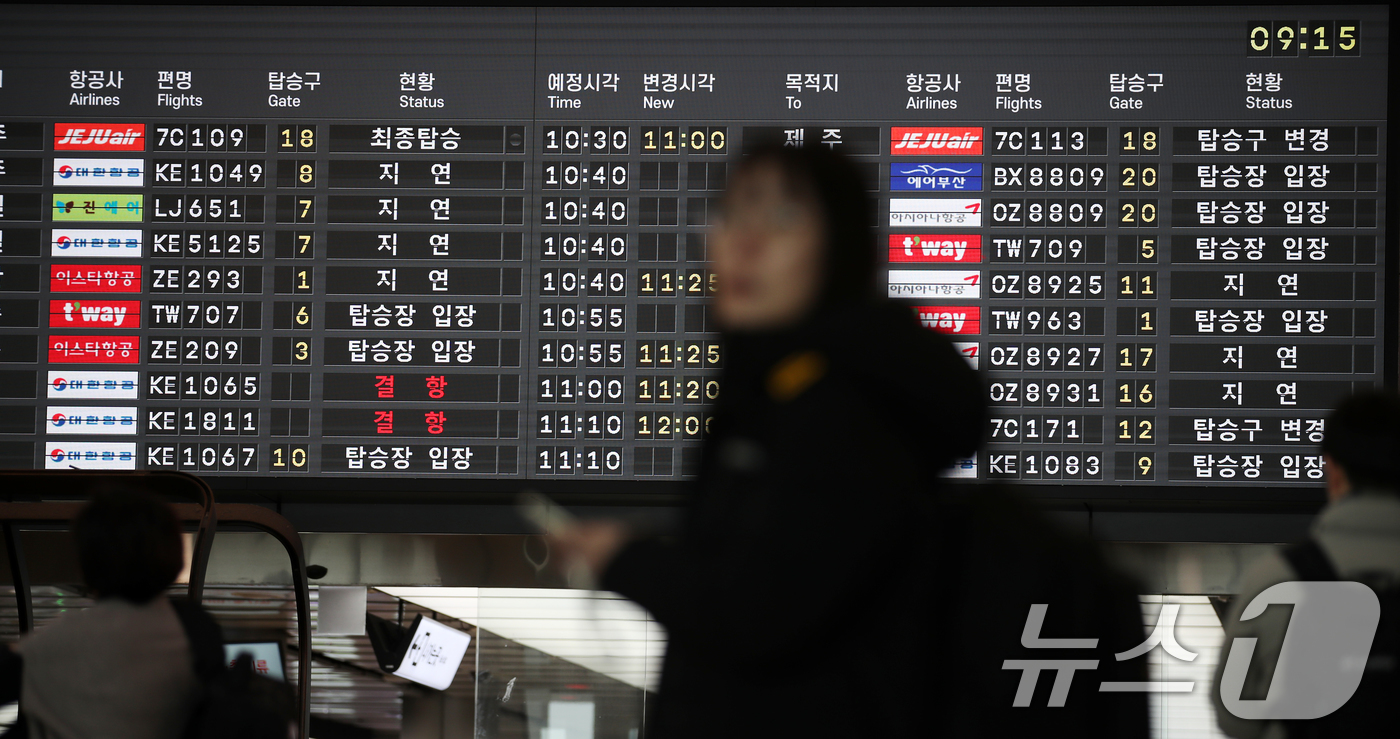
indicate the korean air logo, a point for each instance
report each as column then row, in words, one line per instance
column 90, row 455
column 88, row 242
column 93, row 385
column 97, row 420
column 99, row 172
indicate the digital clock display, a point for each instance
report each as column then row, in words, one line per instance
column 279, row 246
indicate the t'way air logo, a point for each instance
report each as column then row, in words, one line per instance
column 95, row 313
column 962, row 320
column 936, row 248
column 103, row 206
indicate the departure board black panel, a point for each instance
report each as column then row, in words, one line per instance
column 400, row 244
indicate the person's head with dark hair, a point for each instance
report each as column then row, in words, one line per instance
column 129, row 544
column 794, row 233
column 1362, row 444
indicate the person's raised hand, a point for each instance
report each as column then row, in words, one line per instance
column 588, row 545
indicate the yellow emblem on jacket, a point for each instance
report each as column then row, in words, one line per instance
column 794, row 374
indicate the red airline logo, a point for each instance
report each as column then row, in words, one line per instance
column 940, row 248
column 925, row 140
column 92, row 278
column 94, row 349
column 99, row 136
column 95, row 313
column 963, row 320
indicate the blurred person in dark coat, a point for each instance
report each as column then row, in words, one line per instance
column 125, row 666
column 792, row 597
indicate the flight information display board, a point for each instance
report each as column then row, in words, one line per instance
column 416, row 243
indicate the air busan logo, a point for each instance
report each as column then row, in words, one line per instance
column 95, row 313
column 911, row 140
column 936, row 176
column 99, row 137
column 962, row 320
column 953, row 248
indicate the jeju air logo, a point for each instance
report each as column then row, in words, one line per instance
column 99, row 137
column 936, row 140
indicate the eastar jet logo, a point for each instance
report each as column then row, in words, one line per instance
column 951, row 319
column 95, row 313
column 94, row 349
column 953, row 248
column 936, row 140
column 99, row 136
column 94, row 278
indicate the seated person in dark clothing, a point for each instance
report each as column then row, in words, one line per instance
column 123, row 668
column 789, row 597
column 1358, row 533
